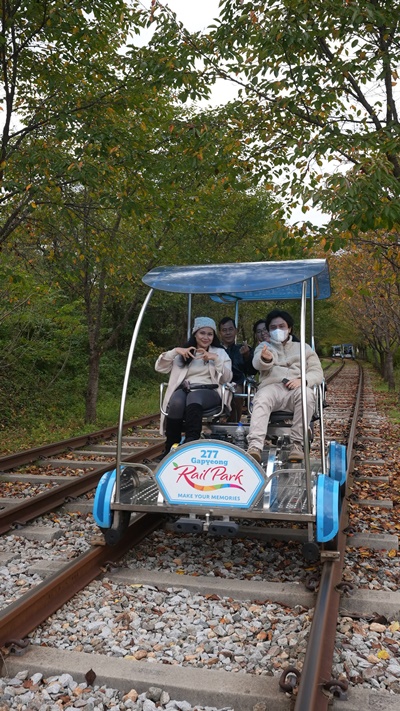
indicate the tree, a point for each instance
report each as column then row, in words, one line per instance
column 150, row 198
column 317, row 105
column 372, row 299
column 60, row 63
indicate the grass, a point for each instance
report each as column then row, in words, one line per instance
column 389, row 400
column 60, row 422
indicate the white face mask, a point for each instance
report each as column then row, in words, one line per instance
column 279, row 335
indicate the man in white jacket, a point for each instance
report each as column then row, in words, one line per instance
column 280, row 384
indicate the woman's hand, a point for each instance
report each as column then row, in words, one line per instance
column 206, row 355
column 196, row 353
column 245, row 350
column 186, row 352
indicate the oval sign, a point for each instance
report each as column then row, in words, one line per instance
column 210, row 473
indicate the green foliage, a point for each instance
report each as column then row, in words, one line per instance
column 104, row 176
column 61, row 64
column 317, row 106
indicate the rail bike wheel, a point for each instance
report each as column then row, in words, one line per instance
column 113, row 524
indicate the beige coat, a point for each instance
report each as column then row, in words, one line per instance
column 170, row 362
column 286, row 364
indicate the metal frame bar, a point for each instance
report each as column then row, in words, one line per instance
column 320, row 396
column 123, row 396
column 236, row 315
column 304, row 393
column 189, row 321
column 312, row 340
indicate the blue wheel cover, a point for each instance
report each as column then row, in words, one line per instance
column 102, row 501
column 337, row 462
column 327, row 508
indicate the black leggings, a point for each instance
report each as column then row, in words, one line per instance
column 179, row 401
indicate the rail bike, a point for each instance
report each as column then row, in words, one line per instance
column 344, row 350
column 211, row 485
column 337, row 351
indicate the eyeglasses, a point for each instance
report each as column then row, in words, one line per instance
column 261, row 330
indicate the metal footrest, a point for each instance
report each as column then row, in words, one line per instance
column 188, row 525
column 223, row 528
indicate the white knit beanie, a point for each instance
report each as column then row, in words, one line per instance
column 202, row 321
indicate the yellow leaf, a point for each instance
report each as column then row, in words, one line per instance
column 392, row 553
column 395, row 626
column 383, row 654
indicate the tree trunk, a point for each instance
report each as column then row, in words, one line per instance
column 382, row 364
column 93, row 387
column 390, row 371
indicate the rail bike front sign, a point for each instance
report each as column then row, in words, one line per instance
column 210, row 473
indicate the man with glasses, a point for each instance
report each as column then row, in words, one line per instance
column 241, row 356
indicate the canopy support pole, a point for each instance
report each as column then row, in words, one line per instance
column 123, row 396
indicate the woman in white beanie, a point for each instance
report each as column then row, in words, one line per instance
column 197, row 371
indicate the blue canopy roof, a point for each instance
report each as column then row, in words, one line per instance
column 245, row 281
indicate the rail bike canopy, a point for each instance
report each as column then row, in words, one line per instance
column 245, row 281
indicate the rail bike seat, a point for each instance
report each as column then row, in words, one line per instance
column 280, row 423
column 280, row 416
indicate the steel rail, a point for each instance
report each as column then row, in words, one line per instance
column 48, row 500
column 8, row 461
column 29, row 611
column 313, row 695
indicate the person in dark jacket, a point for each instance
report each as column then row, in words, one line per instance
column 241, row 356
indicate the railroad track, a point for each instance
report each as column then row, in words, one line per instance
column 89, row 466
column 305, row 685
